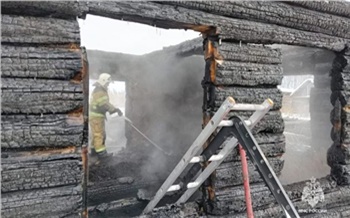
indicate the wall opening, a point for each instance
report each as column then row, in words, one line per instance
column 158, row 89
column 306, row 108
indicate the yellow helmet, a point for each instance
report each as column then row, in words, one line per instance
column 104, row 79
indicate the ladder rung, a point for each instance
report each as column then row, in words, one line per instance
column 230, row 123
column 216, row 157
column 194, row 184
column 200, row 159
column 249, row 107
column 197, row 159
column 174, row 188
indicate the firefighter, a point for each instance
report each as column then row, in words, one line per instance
column 99, row 106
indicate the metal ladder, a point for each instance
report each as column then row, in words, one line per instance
column 238, row 130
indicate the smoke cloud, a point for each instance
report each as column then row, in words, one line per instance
column 163, row 99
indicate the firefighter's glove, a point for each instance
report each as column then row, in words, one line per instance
column 117, row 110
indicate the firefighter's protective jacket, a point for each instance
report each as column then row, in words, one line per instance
column 99, row 104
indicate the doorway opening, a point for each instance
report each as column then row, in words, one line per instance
column 158, row 90
column 306, row 108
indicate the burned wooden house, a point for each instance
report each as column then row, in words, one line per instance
column 44, row 100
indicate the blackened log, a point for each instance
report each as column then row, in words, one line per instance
column 117, row 189
column 230, row 173
column 340, row 8
column 127, row 207
column 272, row 121
column 42, row 203
column 40, row 96
column 188, row 210
column 249, row 95
column 168, row 16
column 250, row 53
column 276, row 13
column 38, row 30
column 345, row 128
column 341, row 64
column 341, row 73
column 347, row 49
column 33, row 131
column 272, row 145
column 343, row 95
column 39, row 85
column 248, row 74
column 39, row 62
column 33, row 171
column 232, row 199
column 68, row 10
column 261, row 33
column 268, row 138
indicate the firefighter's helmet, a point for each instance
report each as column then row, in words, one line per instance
column 104, row 79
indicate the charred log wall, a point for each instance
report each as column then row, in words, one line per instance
column 42, row 114
column 338, row 155
column 251, row 79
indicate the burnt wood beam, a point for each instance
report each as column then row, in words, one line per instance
column 39, row 30
column 272, row 122
column 271, row 12
column 173, row 16
column 39, row 171
column 41, row 131
column 46, row 202
column 271, row 144
column 340, row 8
column 57, row 9
column 232, row 200
column 248, row 74
column 169, row 16
column 230, row 173
column 36, row 96
column 249, row 95
column 40, row 62
column 250, row 53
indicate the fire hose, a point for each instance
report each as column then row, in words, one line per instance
column 145, row 137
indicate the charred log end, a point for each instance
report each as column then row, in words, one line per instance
column 76, row 117
column 83, row 73
column 338, row 159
